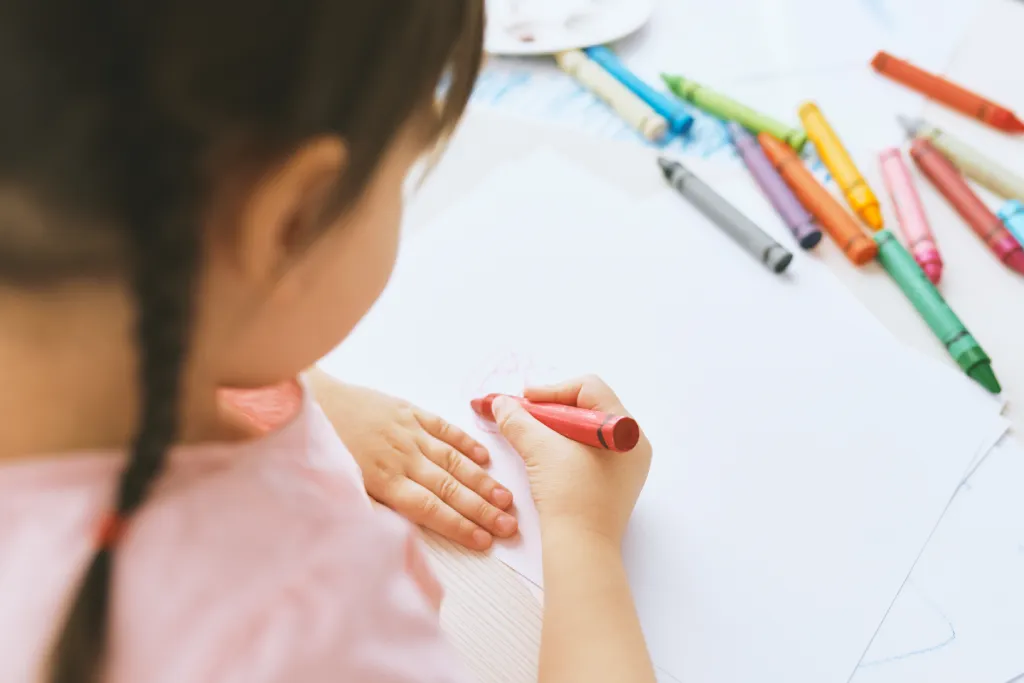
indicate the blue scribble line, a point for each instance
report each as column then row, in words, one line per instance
column 574, row 105
column 923, row 651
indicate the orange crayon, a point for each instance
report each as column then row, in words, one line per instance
column 950, row 94
column 839, row 224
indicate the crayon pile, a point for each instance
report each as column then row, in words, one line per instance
column 770, row 150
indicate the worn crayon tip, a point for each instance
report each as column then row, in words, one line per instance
column 797, row 140
column 774, row 148
column 911, row 126
column 482, row 407
column 933, row 270
column 1015, row 261
column 982, row 374
column 872, row 215
column 667, row 166
column 861, row 251
column 879, row 60
column 736, row 132
column 1008, row 122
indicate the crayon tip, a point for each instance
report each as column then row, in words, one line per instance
column 933, row 270
column 872, row 215
column 982, row 374
column 1015, row 260
column 735, row 131
column 772, row 145
column 477, row 404
column 667, row 166
column 879, row 60
column 861, row 251
column 1006, row 121
column 911, row 126
column 797, row 140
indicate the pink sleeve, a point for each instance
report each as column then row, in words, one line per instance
column 351, row 615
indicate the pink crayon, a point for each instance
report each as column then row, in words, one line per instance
column 910, row 213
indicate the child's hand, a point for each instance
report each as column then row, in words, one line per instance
column 574, row 486
column 419, row 465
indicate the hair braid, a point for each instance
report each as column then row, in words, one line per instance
column 160, row 216
column 116, row 106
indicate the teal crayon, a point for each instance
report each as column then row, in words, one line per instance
column 909, row 277
column 1012, row 216
column 679, row 120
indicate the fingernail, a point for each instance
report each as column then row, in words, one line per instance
column 506, row 525
column 481, row 454
column 481, row 539
column 503, row 404
column 501, row 497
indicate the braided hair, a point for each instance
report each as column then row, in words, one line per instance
column 114, row 113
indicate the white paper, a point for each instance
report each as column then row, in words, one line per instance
column 960, row 616
column 803, row 456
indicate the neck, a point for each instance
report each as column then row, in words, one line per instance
column 68, row 367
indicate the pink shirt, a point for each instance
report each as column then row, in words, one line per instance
column 260, row 562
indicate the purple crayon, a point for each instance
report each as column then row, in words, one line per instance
column 793, row 213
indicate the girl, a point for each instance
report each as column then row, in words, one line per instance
column 198, row 194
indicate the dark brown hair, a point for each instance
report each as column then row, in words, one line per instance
column 114, row 111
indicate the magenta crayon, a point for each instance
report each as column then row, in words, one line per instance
column 910, row 213
column 794, row 215
column 947, row 180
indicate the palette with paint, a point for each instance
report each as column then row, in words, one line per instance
column 536, row 27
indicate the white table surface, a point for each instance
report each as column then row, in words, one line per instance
column 491, row 615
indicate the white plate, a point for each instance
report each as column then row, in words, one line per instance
column 538, row 27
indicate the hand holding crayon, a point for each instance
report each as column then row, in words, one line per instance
column 589, row 427
column 578, row 491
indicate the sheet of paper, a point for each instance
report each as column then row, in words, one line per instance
column 959, row 617
column 803, row 456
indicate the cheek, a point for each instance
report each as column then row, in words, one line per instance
column 359, row 263
column 321, row 299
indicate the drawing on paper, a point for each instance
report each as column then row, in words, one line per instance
column 507, row 373
column 941, row 631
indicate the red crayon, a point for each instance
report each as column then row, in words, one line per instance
column 588, row 427
column 947, row 179
column 949, row 93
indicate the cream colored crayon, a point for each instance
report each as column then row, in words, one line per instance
column 970, row 161
column 624, row 101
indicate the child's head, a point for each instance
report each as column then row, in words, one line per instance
column 234, row 166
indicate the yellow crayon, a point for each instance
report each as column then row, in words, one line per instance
column 840, row 165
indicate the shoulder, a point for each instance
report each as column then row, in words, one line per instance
column 270, row 570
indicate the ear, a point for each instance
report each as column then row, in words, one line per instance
column 286, row 206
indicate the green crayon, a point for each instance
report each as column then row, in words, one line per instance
column 908, row 275
column 728, row 109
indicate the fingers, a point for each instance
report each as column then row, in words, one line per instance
column 453, row 436
column 422, row 507
column 585, row 392
column 518, row 427
column 465, row 471
column 447, row 483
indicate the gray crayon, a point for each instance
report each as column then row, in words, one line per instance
column 723, row 214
